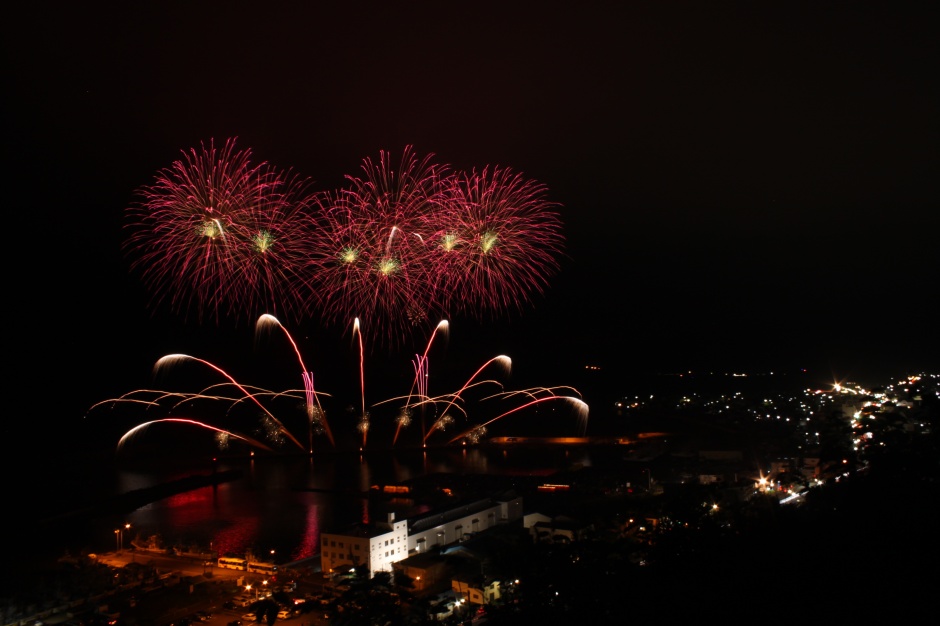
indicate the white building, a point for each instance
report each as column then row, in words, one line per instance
column 379, row 545
column 376, row 546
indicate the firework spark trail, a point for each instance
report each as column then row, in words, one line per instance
column 421, row 367
column 206, row 391
column 579, row 404
column 364, row 420
column 275, row 430
column 142, row 427
column 205, row 395
column 421, row 378
column 294, row 394
column 159, row 394
column 421, row 383
column 532, row 392
column 126, row 398
column 169, row 359
column 191, row 400
column 421, row 375
column 503, row 360
column 311, row 394
column 445, row 398
column 274, row 395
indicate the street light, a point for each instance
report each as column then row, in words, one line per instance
column 119, row 537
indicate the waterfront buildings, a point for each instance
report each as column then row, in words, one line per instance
column 378, row 545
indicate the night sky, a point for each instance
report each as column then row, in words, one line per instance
column 744, row 186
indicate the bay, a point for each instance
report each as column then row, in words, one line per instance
column 277, row 507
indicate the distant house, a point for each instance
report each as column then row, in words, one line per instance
column 474, row 589
column 558, row 529
column 810, row 468
column 709, row 479
column 462, row 568
column 535, row 522
column 427, row 571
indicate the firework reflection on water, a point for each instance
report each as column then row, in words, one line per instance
column 284, row 503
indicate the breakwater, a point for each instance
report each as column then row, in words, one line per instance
column 134, row 499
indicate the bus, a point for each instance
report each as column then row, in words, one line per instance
column 262, row 568
column 229, row 562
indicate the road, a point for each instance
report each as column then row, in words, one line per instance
column 192, row 586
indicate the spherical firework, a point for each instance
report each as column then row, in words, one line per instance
column 371, row 247
column 216, row 234
column 273, row 265
column 405, row 242
column 498, row 242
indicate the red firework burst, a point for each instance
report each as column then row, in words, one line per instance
column 497, row 243
column 405, row 243
column 372, row 250
column 274, row 268
column 216, row 234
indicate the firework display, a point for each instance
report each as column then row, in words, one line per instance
column 265, row 420
column 316, row 416
column 496, row 244
column 374, row 264
column 219, row 236
column 405, row 242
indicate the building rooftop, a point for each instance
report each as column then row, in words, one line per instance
column 457, row 510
